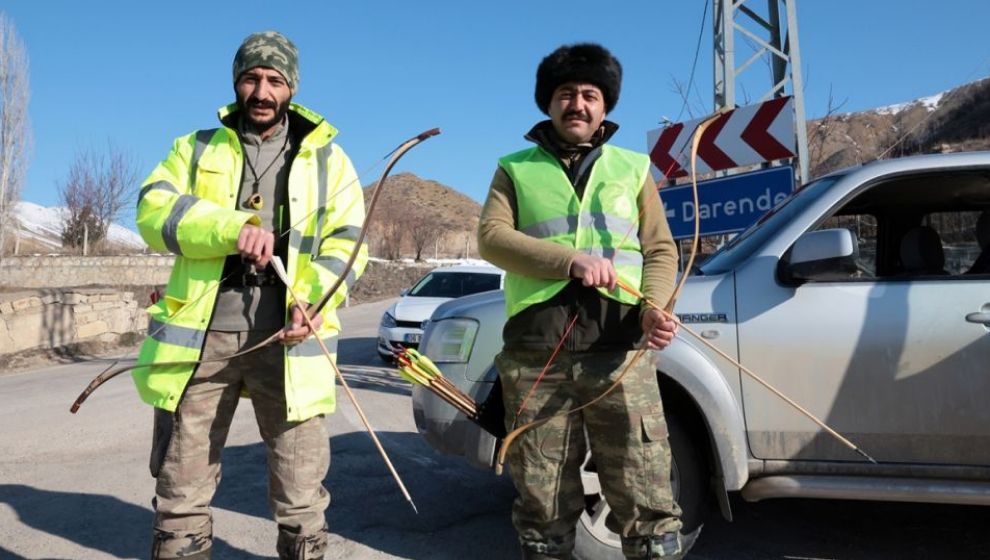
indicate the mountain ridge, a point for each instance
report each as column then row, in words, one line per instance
column 954, row 120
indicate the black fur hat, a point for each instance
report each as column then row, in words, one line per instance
column 581, row 62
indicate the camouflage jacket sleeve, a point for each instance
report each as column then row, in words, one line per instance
column 658, row 245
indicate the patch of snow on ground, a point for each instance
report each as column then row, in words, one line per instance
column 931, row 103
column 893, row 109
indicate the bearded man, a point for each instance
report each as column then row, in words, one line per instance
column 268, row 182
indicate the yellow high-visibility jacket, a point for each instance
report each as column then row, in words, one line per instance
column 188, row 206
column 603, row 222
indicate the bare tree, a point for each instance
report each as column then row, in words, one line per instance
column 683, row 90
column 97, row 188
column 15, row 131
column 78, row 197
column 821, row 133
column 425, row 233
column 391, row 228
column 392, row 235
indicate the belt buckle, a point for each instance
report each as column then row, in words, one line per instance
column 250, row 280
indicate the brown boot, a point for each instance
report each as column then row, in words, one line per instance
column 168, row 546
column 657, row 547
column 291, row 546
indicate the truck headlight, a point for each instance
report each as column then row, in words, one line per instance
column 450, row 340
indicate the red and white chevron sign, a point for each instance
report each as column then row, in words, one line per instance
column 743, row 136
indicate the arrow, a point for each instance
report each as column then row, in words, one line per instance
column 708, row 151
column 420, row 370
column 757, row 133
column 661, row 152
column 740, row 137
column 284, row 277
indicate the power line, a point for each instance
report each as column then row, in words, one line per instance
column 694, row 65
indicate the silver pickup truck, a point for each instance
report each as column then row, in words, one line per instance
column 864, row 296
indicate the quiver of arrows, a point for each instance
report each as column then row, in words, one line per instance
column 420, row 370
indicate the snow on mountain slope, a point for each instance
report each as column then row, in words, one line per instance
column 44, row 225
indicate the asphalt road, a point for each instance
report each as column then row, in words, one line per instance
column 77, row 486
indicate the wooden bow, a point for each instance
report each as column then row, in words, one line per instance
column 668, row 311
column 396, row 154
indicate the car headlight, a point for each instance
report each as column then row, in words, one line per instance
column 450, row 340
column 388, row 321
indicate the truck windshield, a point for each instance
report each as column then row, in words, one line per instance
column 743, row 245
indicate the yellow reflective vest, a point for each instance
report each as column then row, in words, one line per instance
column 187, row 206
column 603, row 222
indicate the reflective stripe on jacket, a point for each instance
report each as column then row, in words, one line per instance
column 187, row 206
column 603, row 222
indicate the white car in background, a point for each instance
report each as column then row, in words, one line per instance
column 402, row 323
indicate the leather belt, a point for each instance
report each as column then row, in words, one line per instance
column 249, row 280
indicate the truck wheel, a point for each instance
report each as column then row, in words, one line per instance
column 689, row 475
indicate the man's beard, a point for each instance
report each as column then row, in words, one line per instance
column 261, row 126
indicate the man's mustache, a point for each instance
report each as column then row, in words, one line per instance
column 262, row 103
column 577, row 114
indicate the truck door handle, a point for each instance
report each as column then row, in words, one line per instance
column 980, row 317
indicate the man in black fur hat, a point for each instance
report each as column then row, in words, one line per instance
column 567, row 219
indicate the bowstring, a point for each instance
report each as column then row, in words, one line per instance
column 391, row 156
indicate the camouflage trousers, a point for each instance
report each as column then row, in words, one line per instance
column 185, row 456
column 626, row 432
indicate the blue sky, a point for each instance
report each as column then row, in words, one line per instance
column 138, row 74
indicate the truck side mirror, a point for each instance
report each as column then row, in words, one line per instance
column 823, row 255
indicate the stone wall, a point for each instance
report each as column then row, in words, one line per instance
column 56, row 271
column 40, row 307
column 53, row 318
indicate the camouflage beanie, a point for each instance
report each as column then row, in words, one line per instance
column 271, row 50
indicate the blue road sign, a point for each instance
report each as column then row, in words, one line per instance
column 728, row 204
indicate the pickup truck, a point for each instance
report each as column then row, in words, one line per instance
column 864, row 296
